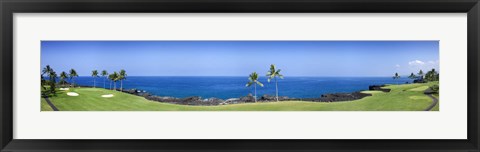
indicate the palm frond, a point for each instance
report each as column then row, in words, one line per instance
column 47, row 69
column 73, row 73
column 273, row 72
column 268, row 73
column 122, row 74
column 104, row 73
column 253, row 78
column 63, row 75
column 259, row 83
column 94, row 73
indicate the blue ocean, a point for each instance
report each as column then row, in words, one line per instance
column 234, row 87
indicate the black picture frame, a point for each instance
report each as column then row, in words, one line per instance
column 8, row 7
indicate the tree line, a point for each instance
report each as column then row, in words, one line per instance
column 49, row 86
column 431, row 75
column 113, row 78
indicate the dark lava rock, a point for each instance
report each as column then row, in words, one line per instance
column 419, row 81
column 191, row 99
column 267, row 97
column 248, row 98
column 335, row 97
column 232, row 101
column 430, row 91
column 162, row 99
column 132, row 91
column 135, row 92
column 195, row 100
column 378, row 88
column 213, row 101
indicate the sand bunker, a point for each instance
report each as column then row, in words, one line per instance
column 64, row 88
column 107, row 95
column 72, row 94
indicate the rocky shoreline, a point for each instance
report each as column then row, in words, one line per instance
column 199, row 101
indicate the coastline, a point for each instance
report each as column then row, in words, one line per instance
column 402, row 97
column 213, row 101
column 234, row 87
column 261, row 98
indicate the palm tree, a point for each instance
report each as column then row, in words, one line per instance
column 253, row 79
column 122, row 76
column 104, row 75
column 420, row 74
column 53, row 78
column 46, row 70
column 412, row 76
column 273, row 74
column 63, row 76
column 110, row 78
column 434, row 75
column 431, row 75
column 396, row 76
column 43, row 82
column 94, row 75
column 114, row 77
column 49, row 71
column 72, row 75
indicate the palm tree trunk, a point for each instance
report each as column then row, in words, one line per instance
column 110, row 85
column 104, row 82
column 93, row 82
column 255, row 93
column 276, row 88
column 114, row 85
column 121, row 85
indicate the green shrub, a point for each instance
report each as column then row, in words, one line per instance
column 435, row 88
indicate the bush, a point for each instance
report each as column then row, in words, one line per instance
column 435, row 88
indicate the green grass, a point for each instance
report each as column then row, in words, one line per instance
column 437, row 107
column 405, row 97
column 45, row 106
column 421, row 88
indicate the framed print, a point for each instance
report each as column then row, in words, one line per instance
column 240, row 76
column 210, row 75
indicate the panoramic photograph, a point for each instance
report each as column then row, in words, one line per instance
column 239, row 76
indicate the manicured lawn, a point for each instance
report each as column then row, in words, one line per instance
column 406, row 97
column 437, row 107
column 45, row 106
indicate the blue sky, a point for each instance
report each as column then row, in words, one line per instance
column 240, row 58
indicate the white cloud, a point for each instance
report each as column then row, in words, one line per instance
column 397, row 65
column 416, row 63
